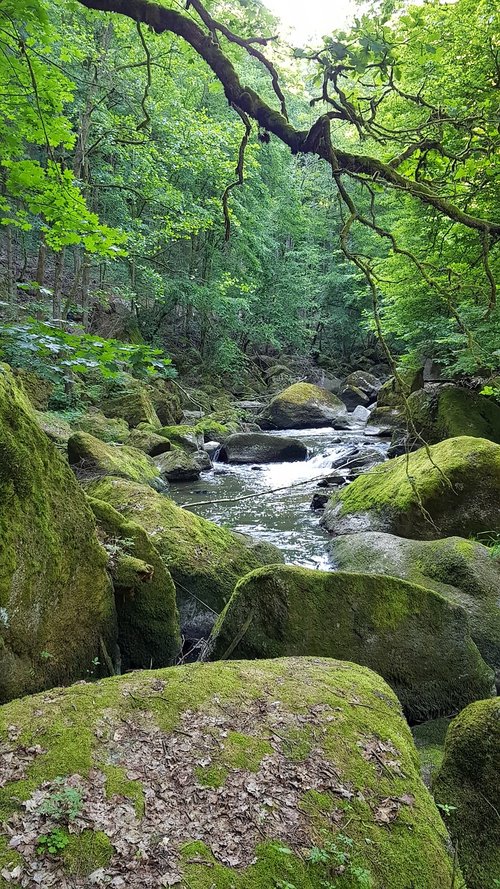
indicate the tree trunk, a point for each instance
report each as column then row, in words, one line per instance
column 56, row 293
column 11, row 274
column 40, row 266
column 85, row 290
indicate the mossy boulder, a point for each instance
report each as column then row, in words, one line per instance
column 393, row 391
column 37, row 390
column 353, row 397
column 56, row 427
column 385, row 421
column 413, row 637
column 166, row 399
column 205, row 561
column 213, row 429
column 91, row 456
column 186, row 437
column 56, row 600
column 132, row 403
column 149, row 442
column 259, row 447
column 304, row 406
column 105, row 428
column 177, row 466
column 449, row 411
column 366, row 382
column 295, row 772
column 148, row 621
column 450, row 489
column 463, row 571
column 468, row 789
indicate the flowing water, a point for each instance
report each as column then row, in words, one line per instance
column 283, row 518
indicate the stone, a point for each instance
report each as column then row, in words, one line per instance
column 353, row 397
column 364, row 381
column 177, row 466
column 451, row 489
column 248, row 775
column 149, row 442
column 303, row 406
column 105, row 428
column 413, row 637
column 441, row 412
column 259, row 447
column 468, row 790
column 57, row 611
column 90, row 455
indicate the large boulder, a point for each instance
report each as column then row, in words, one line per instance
column 205, row 561
column 93, row 456
column 131, row 403
column 257, row 447
column 364, row 381
column 166, row 399
column 293, row 773
column 148, row 621
column 413, row 637
column 394, row 390
column 353, row 397
column 445, row 412
column 57, row 610
column 186, row 437
column 304, row 406
column 385, row 421
column 468, row 790
column 106, row 428
column 149, row 442
column 177, row 466
column 449, row 489
column 463, row 571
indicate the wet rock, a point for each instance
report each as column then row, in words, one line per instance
column 360, row 413
column 211, row 447
column 259, row 447
column 319, row 501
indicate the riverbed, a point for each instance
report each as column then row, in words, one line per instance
column 285, row 517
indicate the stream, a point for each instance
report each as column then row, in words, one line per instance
column 284, row 518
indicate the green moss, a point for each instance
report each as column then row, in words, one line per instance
column 410, row 635
column 55, row 594
column 106, row 429
column 186, row 437
column 244, row 751
column 148, row 621
column 452, row 411
column 132, row 404
column 211, row 776
column 462, row 571
column 9, row 859
column 204, row 559
column 346, row 705
column 468, row 789
column 117, row 784
column 212, row 430
column 37, row 391
column 55, row 425
column 455, row 490
column 148, row 441
column 429, row 740
column 297, row 742
column 92, row 455
column 86, row 852
column 302, row 393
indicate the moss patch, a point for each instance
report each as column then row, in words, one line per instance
column 86, row 852
column 117, row 784
column 90, row 455
column 410, row 635
column 105, row 428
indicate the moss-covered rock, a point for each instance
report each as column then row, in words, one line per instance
column 105, row 428
column 56, row 601
column 259, row 447
column 367, row 382
column 391, row 393
column 148, row 622
column 166, row 400
column 178, row 466
column 304, row 406
column 149, row 442
column 132, row 403
column 429, row 740
column 186, row 437
column 205, row 561
column 385, row 421
column 463, row 571
column 91, row 456
column 261, row 775
column 468, row 790
column 212, row 429
column 55, row 426
column 452, row 488
column 37, row 390
column 414, row 638
column 449, row 411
